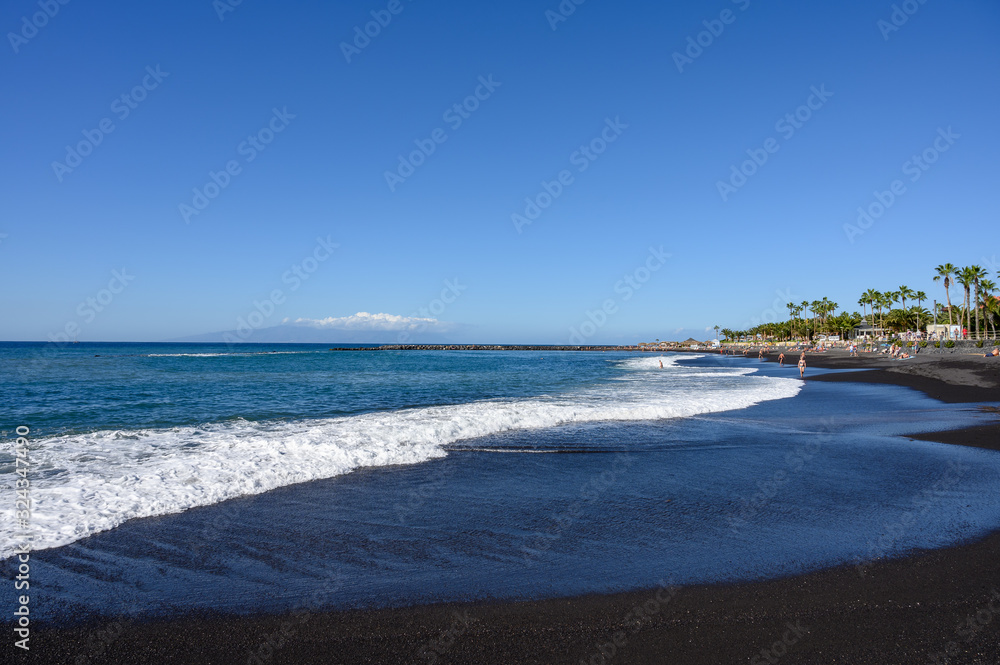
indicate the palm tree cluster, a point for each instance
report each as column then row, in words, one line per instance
column 884, row 316
column 979, row 312
column 980, row 297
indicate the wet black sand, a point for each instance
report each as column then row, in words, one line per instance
column 896, row 612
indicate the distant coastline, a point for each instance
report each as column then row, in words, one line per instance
column 482, row 347
column 671, row 346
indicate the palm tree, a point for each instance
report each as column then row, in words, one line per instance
column 887, row 299
column 993, row 305
column 864, row 312
column 978, row 274
column 826, row 307
column 904, row 293
column 989, row 301
column 878, row 302
column 791, row 318
column 824, row 310
column 966, row 276
column 871, row 296
column 946, row 271
column 920, row 297
column 805, row 308
column 816, row 306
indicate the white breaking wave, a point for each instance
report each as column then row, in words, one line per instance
column 676, row 370
column 85, row 483
column 653, row 361
column 190, row 355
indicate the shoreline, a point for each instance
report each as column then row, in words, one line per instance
column 888, row 611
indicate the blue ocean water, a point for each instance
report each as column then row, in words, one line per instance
column 62, row 388
column 167, row 478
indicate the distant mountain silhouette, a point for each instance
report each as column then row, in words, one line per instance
column 304, row 334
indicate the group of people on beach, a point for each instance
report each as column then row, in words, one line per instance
column 764, row 350
column 745, row 351
column 897, row 352
column 802, row 363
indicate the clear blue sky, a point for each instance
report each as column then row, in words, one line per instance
column 779, row 234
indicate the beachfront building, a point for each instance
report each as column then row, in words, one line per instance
column 944, row 331
column 865, row 331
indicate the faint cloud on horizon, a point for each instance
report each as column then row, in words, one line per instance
column 380, row 321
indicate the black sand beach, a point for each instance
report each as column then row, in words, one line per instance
column 953, row 379
column 938, row 606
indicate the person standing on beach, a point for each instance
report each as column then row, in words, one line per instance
column 802, row 366
column 781, row 359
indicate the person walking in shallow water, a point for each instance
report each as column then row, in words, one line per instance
column 802, row 366
column 781, row 359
